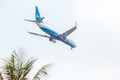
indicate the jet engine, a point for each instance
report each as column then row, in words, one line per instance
column 52, row 40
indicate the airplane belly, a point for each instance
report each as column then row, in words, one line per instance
column 49, row 31
column 69, row 43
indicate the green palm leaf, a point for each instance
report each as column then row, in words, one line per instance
column 17, row 68
column 42, row 72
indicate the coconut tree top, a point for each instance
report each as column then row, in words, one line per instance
column 17, row 68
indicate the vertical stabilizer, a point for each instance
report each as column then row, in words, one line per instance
column 38, row 19
column 37, row 14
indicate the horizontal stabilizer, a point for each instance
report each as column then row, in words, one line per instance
column 35, row 21
column 29, row 20
column 41, row 20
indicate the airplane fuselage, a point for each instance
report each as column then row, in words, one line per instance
column 56, row 36
column 53, row 35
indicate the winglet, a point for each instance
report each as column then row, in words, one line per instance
column 75, row 24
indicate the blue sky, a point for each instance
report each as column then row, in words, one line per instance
column 97, row 36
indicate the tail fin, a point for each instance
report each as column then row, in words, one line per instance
column 38, row 17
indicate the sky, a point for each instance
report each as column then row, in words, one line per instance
column 97, row 37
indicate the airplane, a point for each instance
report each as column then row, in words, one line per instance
column 52, row 35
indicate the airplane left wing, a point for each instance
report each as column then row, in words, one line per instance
column 65, row 34
column 39, row 34
column 50, row 38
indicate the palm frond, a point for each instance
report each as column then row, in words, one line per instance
column 17, row 68
column 42, row 72
column 9, row 67
column 28, row 66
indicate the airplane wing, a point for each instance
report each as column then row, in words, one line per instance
column 65, row 34
column 39, row 34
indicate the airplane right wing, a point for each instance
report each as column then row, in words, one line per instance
column 65, row 34
column 39, row 34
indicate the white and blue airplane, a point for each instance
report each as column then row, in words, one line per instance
column 52, row 35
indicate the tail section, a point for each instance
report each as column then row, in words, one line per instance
column 37, row 15
column 39, row 19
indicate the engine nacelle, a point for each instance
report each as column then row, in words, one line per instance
column 52, row 40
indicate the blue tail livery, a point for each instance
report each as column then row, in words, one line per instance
column 51, row 34
column 37, row 14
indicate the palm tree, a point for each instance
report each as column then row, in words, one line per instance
column 17, row 68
